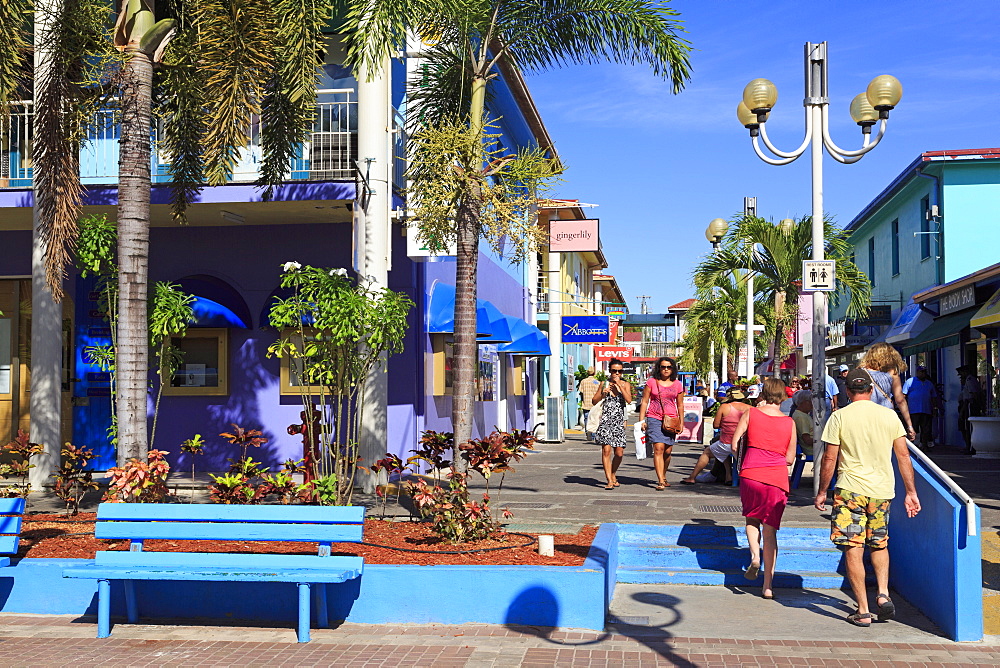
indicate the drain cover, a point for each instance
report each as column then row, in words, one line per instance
column 614, row 502
column 629, row 621
column 527, row 504
column 722, row 509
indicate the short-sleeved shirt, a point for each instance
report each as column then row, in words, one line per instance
column 865, row 432
column 918, row 394
column 832, row 390
column 588, row 388
column 803, row 425
column 663, row 398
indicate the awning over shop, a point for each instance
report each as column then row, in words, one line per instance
column 499, row 324
column 441, row 312
column 941, row 333
column 528, row 340
column 216, row 303
column 989, row 314
column 910, row 323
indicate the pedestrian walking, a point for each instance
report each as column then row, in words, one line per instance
column 920, row 391
column 863, row 437
column 726, row 419
column 770, row 449
column 660, row 414
column 615, row 393
column 884, row 365
column 970, row 401
column 588, row 387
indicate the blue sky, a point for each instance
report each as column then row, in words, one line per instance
column 662, row 166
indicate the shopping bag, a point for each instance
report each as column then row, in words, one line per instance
column 640, row 440
column 594, row 418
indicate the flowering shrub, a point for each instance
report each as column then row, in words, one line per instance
column 139, row 482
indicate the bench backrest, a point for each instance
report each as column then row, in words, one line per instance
column 137, row 522
column 10, row 524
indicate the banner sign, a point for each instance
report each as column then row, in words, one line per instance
column 608, row 353
column 568, row 236
column 692, row 420
column 585, row 329
column 878, row 315
column 614, row 331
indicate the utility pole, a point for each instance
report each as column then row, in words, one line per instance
column 643, row 308
column 750, row 210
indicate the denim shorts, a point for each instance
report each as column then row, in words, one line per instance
column 654, row 432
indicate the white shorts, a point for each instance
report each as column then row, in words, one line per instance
column 720, row 450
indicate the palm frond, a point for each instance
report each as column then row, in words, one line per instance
column 15, row 53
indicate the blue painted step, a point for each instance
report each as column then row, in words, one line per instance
column 717, row 555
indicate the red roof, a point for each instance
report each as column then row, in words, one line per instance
column 632, row 336
column 686, row 304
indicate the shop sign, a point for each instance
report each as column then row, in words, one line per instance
column 608, row 353
column 585, row 329
column 574, row 236
column 958, row 300
column 877, row 316
column 837, row 334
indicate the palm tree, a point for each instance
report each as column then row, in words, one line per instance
column 229, row 62
column 474, row 43
column 774, row 253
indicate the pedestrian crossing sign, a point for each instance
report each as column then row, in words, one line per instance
column 819, row 275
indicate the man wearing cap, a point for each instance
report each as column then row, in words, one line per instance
column 842, row 398
column 863, row 436
column 919, row 391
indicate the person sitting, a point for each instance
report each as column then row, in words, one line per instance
column 726, row 419
column 804, row 422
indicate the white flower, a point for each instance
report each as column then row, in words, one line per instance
column 338, row 272
column 291, row 266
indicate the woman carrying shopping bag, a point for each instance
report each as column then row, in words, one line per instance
column 613, row 395
column 661, row 414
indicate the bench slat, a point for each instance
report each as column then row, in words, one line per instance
column 225, row 560
column 221, row 513
column 8, row 544
column 4, row 562
column 208, row 574
column 11, row 506
column 312, row 533
column 10, row 524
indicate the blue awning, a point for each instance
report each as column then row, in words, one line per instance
column 217, row 304
column 498, row 323
column 209, row 313
column 441, row 312
column 528, row 340
column 911, row 321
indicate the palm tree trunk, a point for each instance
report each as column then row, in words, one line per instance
column 466, row 271
column 132, row 361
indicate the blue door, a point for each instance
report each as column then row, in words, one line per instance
column 92, row 389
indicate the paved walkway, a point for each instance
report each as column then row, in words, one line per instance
column 560, row 488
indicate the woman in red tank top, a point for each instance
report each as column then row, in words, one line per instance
column 764, row 476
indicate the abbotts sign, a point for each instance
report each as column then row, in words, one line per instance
column 585, row 329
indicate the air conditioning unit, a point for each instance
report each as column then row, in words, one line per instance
column 553, row 419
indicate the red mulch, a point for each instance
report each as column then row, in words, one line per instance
column 47, row 537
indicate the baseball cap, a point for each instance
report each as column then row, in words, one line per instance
column 843, row 367
column 858, row 380
column 921, row 368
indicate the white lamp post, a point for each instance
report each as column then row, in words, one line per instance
column 867, row 109
column 714, row 233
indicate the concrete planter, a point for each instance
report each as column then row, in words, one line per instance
column 986, row 436
column 563, row 596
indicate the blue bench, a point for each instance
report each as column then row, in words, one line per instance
column 137, row 522
column 10, row 527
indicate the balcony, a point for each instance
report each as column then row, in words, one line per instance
column 329, row 154
column 656, row 349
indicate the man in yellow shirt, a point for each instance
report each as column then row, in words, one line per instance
column 864, row 436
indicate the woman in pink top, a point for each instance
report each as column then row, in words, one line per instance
column 726, row 420
column 770, row 449
column 660, row 414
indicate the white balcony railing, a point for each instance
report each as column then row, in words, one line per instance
column 329, row 154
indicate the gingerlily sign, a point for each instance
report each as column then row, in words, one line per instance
column 569, row 236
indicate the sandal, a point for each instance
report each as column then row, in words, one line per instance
column 751, row 572
column 689, row 482
column 609, row 486
column 886, row 610
column 617, row 484
column 660, row 486
column 862, row 619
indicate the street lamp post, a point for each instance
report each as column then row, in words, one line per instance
column 867, row 109
column 714, row 233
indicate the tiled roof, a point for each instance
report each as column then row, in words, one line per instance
column 686, row 304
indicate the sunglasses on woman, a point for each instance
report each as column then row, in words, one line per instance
column 617, row 370
column 665, row 366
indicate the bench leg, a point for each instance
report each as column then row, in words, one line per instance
column 130, row 604
column 304, row 602
column 103, row 608
column 322, row 617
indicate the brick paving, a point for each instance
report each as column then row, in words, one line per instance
column 38, row 640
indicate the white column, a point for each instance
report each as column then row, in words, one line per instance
column 374, row 157
column 46, row 315
column 555, row 326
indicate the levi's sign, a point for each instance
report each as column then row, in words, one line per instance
column 608, row 353
column 567, row 236
column 585, row 329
